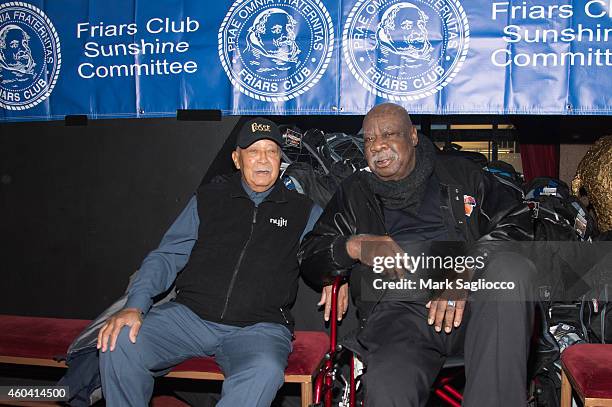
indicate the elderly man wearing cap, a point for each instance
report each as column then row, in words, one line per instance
column 235, row 246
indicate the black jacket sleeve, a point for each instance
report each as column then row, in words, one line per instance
column 323, row 254
column 504, row 219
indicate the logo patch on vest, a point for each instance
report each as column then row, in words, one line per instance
column 280, row 222
column 468, row 203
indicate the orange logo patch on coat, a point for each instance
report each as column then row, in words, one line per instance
column 468, row 203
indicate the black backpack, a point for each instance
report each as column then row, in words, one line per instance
column 558, row 216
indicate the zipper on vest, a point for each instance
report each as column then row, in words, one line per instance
column 233, row 281
column 284, row 316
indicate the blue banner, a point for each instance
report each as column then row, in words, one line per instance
column 129, row 58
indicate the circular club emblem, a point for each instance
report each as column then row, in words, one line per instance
column 405, row 50
column 275, row 50
column 30, row 57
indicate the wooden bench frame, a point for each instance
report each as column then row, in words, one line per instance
column 305, row 381
column 568, row 383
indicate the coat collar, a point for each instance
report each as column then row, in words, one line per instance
column 277, row 195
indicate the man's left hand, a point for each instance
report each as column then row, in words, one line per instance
column 445, row 312
column 326, row 298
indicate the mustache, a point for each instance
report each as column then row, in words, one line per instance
column 385, row 155
column 282, row 40
column 416, row 36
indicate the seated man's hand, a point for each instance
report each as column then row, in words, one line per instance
column 326, row 298
column 365, row 248
column 445, row 312
column 130, row 317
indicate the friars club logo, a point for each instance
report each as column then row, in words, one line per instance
column 30, row 56
column 405, row 50
column 275, row 50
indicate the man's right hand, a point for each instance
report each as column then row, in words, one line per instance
column 343, row 301
column 111, row 329
column 375, row 246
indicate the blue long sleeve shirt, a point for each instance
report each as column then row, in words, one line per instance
column 161, row 266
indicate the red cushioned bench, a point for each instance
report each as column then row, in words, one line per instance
column 587, row 368
column 37, row 341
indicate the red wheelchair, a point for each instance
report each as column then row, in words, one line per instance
column 330, row 373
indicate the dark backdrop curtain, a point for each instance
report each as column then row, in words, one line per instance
column 540, row 160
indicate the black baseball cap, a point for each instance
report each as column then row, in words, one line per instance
column 258, row 129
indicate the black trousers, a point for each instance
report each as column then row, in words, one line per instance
column 403, row 354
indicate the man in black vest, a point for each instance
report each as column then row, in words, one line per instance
column 421, row 199
column 236, row 243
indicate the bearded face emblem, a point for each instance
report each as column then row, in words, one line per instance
column 272, row 38
column 403, row 31
column 16, row 61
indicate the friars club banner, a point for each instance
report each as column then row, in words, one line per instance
column 130, row 58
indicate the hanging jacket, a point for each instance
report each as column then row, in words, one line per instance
column 83, row 374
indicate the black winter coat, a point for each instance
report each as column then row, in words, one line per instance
column 497, row 216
